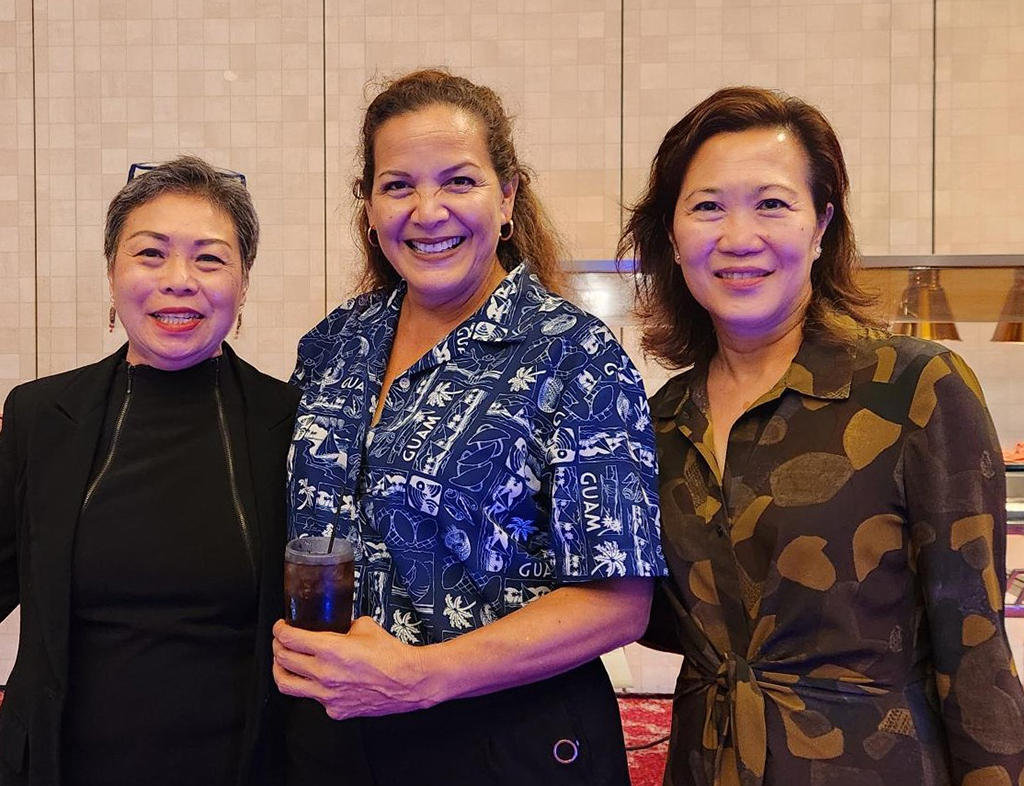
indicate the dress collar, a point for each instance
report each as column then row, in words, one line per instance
column 824, row 364
column 822, row 369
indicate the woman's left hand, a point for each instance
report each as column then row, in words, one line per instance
column 363, row 672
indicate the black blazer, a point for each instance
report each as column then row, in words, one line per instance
column 50, row 432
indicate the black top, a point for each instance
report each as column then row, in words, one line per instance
column 163, row 587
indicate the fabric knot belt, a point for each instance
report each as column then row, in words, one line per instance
column 735, row 734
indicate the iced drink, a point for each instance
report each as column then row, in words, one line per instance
column 318, row 584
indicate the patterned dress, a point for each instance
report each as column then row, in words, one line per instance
column 837, row 592
column 515, row 456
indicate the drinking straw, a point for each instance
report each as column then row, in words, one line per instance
column 334, row 528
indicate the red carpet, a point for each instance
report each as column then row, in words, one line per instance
column 644, row 720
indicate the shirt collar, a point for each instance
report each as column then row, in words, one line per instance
column 500, row 320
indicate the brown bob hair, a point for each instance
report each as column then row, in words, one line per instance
column 534, row 241
column 677, row 329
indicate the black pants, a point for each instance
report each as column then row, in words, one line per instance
column 513, row 737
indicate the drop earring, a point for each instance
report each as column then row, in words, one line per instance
column 238, row 323
column 110, row 318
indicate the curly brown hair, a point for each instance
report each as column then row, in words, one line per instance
column 676, row 328
column 535, row 241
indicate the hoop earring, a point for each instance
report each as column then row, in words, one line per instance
column 110, row 318
column 511, row 228
column 371, row 237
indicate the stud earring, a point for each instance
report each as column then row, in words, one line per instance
column 817, row 251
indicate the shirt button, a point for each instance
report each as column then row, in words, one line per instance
column 403, row 383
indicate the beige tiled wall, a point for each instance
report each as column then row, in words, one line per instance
column 238, row 83
column 17, row 229
column 556, row 66
column 980, row 127
column 275, row 88
column 594, row 83
column 866, row 64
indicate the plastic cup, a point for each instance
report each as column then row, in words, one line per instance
column 318, row 585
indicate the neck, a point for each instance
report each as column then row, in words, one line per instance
column 747, row 359
column 438, row 314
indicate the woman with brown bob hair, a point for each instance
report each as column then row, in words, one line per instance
column 486, row 448
column 832, row 496
column 679, row 332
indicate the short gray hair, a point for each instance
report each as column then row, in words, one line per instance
column 192, row 176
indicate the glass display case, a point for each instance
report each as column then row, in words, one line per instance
column 1015, row 542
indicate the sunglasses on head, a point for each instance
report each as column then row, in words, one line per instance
column 138, row 169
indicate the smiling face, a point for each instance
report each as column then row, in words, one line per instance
column 437, row 206
column 177, row 281
column 746, row 231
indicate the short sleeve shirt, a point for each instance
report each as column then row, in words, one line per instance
column 517, row 455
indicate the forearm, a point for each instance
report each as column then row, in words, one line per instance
column 369, row 672
column 555, row 633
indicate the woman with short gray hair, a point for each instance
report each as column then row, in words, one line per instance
column 142, row 515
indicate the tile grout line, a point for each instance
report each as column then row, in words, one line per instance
column 935, row 109
column 323, row 49
column 35, row 190
column 622, row 113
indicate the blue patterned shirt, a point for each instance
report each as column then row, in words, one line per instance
column 515, row 456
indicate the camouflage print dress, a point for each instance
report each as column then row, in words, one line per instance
column 837, row 593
